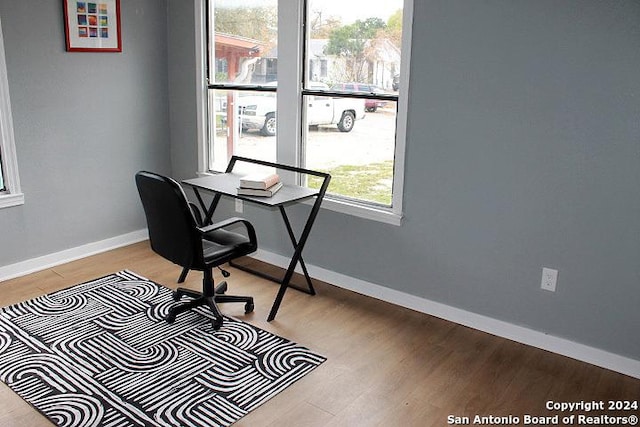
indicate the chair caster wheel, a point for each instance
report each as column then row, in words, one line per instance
column 248, row 307
column 170, row 318
column 217, row 324
column 221, row 289
column 176, row 295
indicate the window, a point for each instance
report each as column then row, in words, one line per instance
column 327, row 98
column 241, row 80
column 10, row 194
column 221, row 66
column 318, row 69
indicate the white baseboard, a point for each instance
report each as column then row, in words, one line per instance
column 486, row 324
column 51, row 260
column 492, row 326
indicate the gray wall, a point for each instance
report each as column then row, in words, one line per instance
column 182, row 87
column 523, row 150
column 84, row 124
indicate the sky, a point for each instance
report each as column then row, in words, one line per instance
column 349, row 10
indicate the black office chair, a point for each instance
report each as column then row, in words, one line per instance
column 212, row 235
column 175, row 234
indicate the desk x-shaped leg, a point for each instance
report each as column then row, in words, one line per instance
column 309, row 289
column 297, row 257
column 298, row 246
column 292, row 236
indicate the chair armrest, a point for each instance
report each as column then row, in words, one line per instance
column 251, row 232
column 195, row 211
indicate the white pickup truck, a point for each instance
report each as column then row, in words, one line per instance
column 259, row 111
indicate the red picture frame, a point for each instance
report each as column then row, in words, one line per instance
column 92, row 26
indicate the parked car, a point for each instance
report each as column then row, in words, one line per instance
column 259, row 111
column 370, row 105
column 395, row 83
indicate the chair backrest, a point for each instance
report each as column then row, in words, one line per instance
column 172, row 227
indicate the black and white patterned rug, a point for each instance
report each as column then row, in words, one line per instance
column 100, row 354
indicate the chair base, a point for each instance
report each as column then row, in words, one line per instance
column 183, row 275
column 200, row 299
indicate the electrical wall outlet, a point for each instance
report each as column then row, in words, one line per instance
column 549, row 279
column 239, row 206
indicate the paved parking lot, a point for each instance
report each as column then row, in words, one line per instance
column 372, row 140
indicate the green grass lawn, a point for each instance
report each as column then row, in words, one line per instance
column 370, row 182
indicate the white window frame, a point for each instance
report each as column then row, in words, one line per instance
column 12, row 196
column 289, row 101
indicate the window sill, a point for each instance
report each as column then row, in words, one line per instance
column 8, row 200
column 371, row 213
column 362, row 211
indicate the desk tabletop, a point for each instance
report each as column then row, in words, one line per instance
column 228, row 183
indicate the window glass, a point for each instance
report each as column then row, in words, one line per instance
column 247, row 129
column 242, row 58
column 353, row 137
column 360, row 160
column 244, row 39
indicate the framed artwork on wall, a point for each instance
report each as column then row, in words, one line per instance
column 92, row 26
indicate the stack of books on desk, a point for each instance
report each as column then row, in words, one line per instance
column 262, row 185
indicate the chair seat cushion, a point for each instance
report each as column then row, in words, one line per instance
column 218, row 244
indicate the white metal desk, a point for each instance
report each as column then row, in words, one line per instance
column 227, row 184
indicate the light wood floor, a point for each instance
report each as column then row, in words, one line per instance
column 386, row 366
